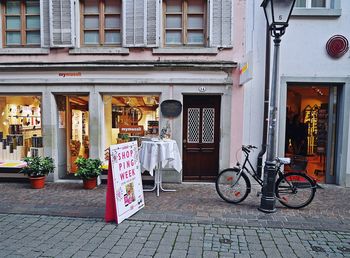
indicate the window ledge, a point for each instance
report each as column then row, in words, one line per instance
column 24, row 51
column 299, row 12
column 99, row 51
column 187, row 50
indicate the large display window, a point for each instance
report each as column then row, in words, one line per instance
column 310, row 130
column 130, row 117
column 20, row 129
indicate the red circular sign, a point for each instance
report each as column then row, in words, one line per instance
column 337, row 46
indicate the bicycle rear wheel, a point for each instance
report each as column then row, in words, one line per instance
column 295, row 190
column 232, row 186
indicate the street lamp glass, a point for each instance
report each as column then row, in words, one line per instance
column 278, row 12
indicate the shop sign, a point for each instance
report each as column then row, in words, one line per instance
column 132, row 129
column 127, row 182
column 171, row 108
column 246, row 69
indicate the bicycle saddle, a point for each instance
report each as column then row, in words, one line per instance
column 283, row 161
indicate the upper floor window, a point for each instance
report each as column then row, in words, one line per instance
column 312, row 3
column 101, row 21
column 184, row 22
column 21, row 23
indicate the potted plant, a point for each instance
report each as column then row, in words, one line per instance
column 36, row 169
column 88, row 170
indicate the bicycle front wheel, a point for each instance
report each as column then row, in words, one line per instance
column 295, row 190
column 232, row 186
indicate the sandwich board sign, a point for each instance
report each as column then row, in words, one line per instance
column 127, row 187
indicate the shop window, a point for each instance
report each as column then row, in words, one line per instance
column 101, row 22
column 130, row 118
column 310, row 134
column 20, row 128
column 21, row 23
column 185, row 22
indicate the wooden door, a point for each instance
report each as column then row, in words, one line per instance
column 201, row 137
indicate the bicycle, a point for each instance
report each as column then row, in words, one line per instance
column 293, row 189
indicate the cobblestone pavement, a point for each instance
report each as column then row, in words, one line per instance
column 46, row 236
column 191, row 203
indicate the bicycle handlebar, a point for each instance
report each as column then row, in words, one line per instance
column 247, row 148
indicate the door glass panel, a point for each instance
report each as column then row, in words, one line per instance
column 208, row 125
column 193, row 117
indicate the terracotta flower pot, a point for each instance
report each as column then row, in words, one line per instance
column 37, row 182
column 90, row 183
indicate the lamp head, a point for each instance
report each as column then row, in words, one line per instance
column 277, row 13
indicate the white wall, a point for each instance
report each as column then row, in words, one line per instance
column 303, row 57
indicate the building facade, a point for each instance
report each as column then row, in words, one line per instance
column 313, row 109
column 78, row 76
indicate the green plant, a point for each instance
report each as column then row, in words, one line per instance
column 88, row 168
column 38, row 166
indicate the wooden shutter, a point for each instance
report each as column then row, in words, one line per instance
column 44, row 23
column 220, row 20
column 61, row 23
column 140, row 23
column 153, row 16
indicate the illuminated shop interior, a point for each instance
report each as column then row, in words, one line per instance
column 130, row 117
column 307, row 128
column 20, row 129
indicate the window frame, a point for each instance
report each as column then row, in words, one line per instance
column 184, row 25
column 308, row 5
column 23, row 26
column 101, row 28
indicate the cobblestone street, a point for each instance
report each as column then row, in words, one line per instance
column 45, row 236
column 63, row 220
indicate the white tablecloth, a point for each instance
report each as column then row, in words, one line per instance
column 163, row 152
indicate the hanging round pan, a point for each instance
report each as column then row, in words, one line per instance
column 171, row 108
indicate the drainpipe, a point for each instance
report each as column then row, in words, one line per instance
column 266, row 102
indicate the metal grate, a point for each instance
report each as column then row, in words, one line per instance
column 193, row 125
column 208, row 122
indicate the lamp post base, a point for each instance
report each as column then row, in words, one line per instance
column 268, row 201
column 267, row 205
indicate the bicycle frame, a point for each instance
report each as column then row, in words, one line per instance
column 244, row 168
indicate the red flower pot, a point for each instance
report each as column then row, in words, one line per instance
column 90, row 183
column 37, row 182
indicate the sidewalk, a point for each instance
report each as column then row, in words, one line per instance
column 191, row 203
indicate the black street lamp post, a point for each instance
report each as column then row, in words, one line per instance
column 277, row 13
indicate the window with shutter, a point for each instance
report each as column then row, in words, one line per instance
column 184, row 22
column 100, row 22
column 21, row 23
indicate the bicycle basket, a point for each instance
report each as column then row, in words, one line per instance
column 298, row 163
